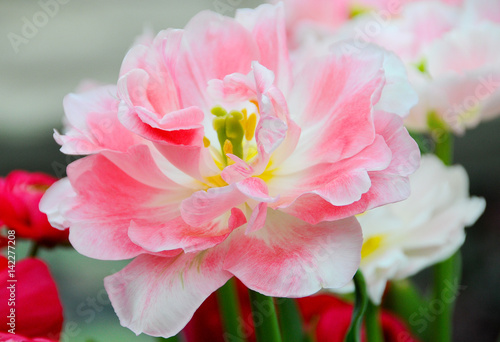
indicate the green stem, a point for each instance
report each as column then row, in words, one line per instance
column 175, row 338
column 229, row 308
column 360, row 304
column 405, row 301
column 290, row 320
column 444, row 147
column 264, row 318
column 372, row 323
column 33, row 250
column 445, row 272
column 446, row 279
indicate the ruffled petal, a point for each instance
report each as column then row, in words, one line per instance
column 108, row 199
column 158, row 296
column 205, row 206
column 92, row 123
column 332, row 103
column 267, row 24
column 203, row 58
column 376, row 176
column 291, row 258
column 151, row 104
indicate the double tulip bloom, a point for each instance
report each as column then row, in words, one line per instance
column 217, row 156
column 449, row 48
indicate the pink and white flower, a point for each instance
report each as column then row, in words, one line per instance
column 401, row 239
column 221, row 158
column 449, row 49
column 323, row 18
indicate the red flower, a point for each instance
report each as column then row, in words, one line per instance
column 20, row 194
column 206, row 324
column 7, row 337
column 330, row 318
column 38, row 313
column 325, row 315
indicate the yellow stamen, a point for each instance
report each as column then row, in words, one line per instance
column 268, row 174
column 228, row 147
column 206, row 142
column 250, row 124
column 216, row 180
column 370, row 245
column 251, row 152
column 256, row 104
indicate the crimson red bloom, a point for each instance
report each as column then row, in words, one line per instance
column 330, row 318
column 326, row 316
column 7, row 337
column 206, row 324
column 20, row 194
column 38, row 310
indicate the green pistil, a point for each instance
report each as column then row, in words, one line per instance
column 422, row 66
column 358, row 10
column 435, row 123
column 218, row 111
column 229, row 127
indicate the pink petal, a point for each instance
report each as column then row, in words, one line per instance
column 270, row 133
column 267, row 24
column 108, row 200
column 341, row 183
column 158, row 236
column 254, row 188
column 354, row 184
column 92, row 123
column 203, row 58
column 158, row 296
column 194, row 161
column 151, row 101
column 405, row 152
column 332, row 102
column 205, row 206
column 55, row 201
column 178, row 126
column 152, row 85
column 237, row 171
column 257, row 219
column 291, row 258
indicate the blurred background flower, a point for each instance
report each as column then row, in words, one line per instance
column 49, row 46
column 38, row 313
column 20, row 194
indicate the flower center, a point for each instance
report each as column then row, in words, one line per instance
column 370, row 245
column 234, row 131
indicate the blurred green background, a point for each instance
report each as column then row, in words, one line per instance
column 88, row 40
